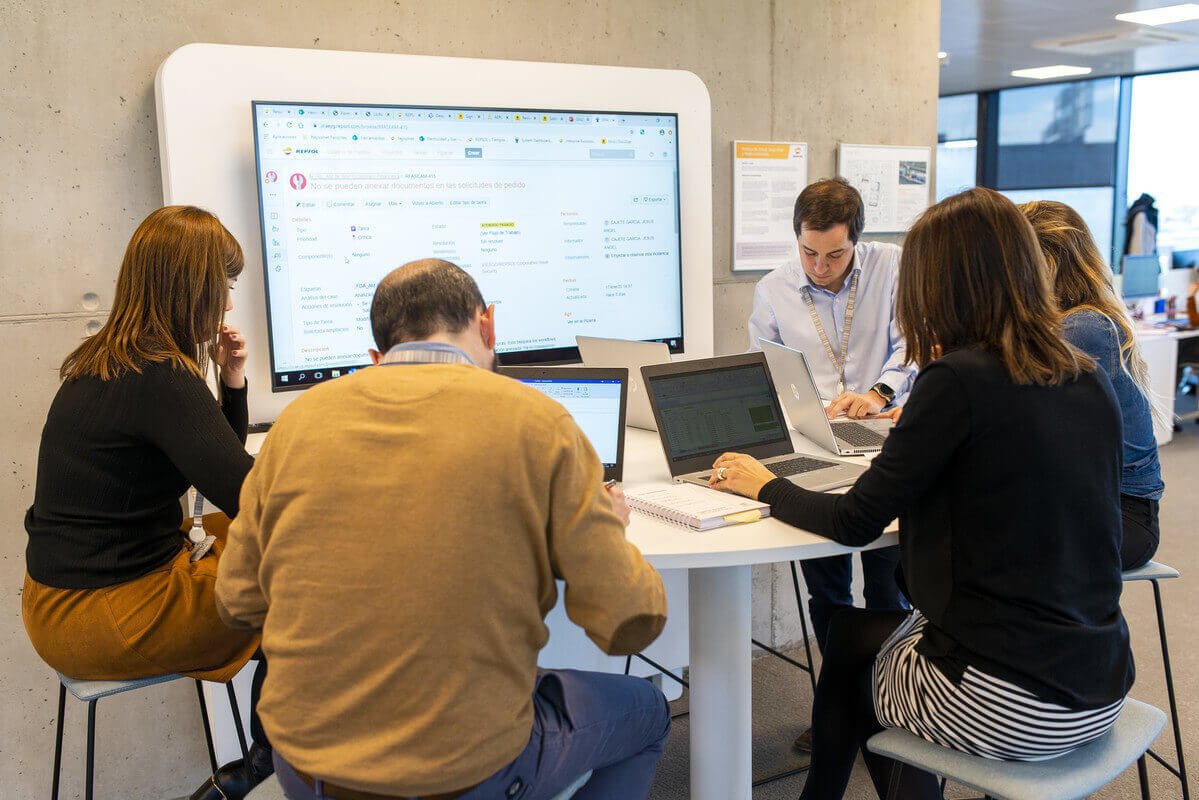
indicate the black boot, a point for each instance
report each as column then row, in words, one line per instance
column 235, row 780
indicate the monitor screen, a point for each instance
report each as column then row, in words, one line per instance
column 708, row 412
column 595, row 407
column 568, row 221
column 1142, row 276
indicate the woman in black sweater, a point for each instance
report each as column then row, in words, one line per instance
column 114, row 589
column 1004, row 472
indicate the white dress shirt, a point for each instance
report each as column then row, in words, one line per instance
column 876, row 350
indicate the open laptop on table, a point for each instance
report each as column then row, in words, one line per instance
column 715, row 405
column 598, row 352
column 805, row 408
column 595, row 398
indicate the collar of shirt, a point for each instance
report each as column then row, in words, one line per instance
column 425, row 353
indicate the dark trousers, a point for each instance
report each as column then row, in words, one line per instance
column 843, row 717
column 829, row 581
column 613, row 726
column 1141, row 531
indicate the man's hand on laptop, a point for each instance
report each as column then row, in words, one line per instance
column 619, row 504
column 854, row 405
column 892, row 414
column 739, row 474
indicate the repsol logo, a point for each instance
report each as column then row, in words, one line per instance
column 308, row 150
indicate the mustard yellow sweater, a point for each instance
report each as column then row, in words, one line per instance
column 398, row 541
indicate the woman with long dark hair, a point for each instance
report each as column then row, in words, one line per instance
column 114, row 589
column 1004, row 472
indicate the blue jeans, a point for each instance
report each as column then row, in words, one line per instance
column 612, row 725
column 829, row 583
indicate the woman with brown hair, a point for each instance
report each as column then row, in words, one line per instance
column 113, row 589
column 1095, row 322
column 1004, row 471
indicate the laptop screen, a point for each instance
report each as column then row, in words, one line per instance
column 707, row 412
column 595, row 401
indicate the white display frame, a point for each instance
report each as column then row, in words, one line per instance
column 206, row 148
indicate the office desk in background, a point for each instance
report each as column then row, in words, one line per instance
column 1160, row 349
column 708, row 576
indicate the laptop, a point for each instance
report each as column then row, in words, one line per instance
column 595, row 398
column 715, row 405
column 597, row 352
column 805, row 408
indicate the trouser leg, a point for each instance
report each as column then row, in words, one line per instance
column 828, row 581
column 880, row 588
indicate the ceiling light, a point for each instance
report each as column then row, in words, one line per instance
column 942, row 55
column 960, row 144
column 1056, row 71
column 1166, row 15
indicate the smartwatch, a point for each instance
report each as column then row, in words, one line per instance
column 884, row 391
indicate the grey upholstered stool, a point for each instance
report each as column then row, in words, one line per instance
column 91, row 692
column 1154, row 572
column 1074, row 775
column 271, row 789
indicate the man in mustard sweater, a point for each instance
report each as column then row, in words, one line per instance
column 398, row 543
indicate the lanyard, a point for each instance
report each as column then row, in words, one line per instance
column 838, row 365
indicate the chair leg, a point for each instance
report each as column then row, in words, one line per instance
column 1161, row 633
column 1143, row 776
column 91, row 750
column 207, row 726
column 237, row 726
column 62, row 709
column 803, row 625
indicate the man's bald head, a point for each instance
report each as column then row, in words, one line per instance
column 421, row 299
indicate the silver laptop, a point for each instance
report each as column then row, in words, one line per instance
column 597, row 352
column 805, row 408
column 716, row 405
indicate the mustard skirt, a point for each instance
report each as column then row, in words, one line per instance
column 162, row 623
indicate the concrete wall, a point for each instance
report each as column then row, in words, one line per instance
column 79, row 170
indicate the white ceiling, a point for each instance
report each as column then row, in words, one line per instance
column 987, row 39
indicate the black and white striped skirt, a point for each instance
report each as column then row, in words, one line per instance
column 982, row 715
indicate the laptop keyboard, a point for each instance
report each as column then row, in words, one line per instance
column 856, row 435
column 797, row 466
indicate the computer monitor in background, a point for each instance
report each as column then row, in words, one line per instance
column 1185, row 259
column 1141, row 276
column 568, row 220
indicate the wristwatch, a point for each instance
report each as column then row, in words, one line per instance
column 884, row 391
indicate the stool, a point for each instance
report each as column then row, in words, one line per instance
column 1074, row 775
column 91, row 693
column 1154, row 572
column 271, row 789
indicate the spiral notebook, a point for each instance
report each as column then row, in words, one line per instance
column 694, row 506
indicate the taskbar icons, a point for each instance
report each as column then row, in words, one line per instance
column 307, row 377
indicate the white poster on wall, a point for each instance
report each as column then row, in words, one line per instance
column 893, row 182
column 767, row 177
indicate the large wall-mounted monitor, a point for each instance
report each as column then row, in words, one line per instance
column 568, row 220
column 565, row 235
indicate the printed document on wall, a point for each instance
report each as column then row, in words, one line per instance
column 893, row 182
column 767, row 177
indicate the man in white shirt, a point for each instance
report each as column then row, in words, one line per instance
column 836, row 304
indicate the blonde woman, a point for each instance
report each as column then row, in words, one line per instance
column 1095, row 322
column 111, row 591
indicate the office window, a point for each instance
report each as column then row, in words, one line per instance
column 957, row 144
column 1060, row 135
column 1163, row 155
column 1094, row 204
